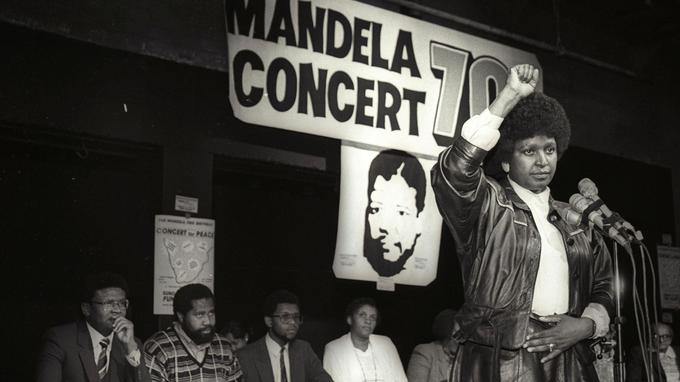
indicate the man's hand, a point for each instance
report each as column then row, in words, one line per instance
column 523, row 79
column 125, row 331
column 568, row 331
column 520, row 83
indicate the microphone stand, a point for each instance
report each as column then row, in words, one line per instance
column 619, row 361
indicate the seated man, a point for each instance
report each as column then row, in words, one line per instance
column 667, row 358
column 279, row 356
column 361, row 355
column 102, row 346
column 190, row 349
column 433, row 362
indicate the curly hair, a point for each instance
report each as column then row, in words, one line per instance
column 280, row 296
column 536, row 114
column 185, row 296
column 443, row 324
column 357, row 303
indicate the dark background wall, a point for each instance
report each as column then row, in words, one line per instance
column 109, row 111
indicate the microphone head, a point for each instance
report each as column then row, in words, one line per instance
column 568, row 215
column 578, row 202
column 587, row 188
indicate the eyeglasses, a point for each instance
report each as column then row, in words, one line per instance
column 665, row 336
column 288, row 318
column 110, row 305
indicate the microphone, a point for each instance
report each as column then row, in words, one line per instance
column 588, row 189
column 580, row 203
column 569, row 215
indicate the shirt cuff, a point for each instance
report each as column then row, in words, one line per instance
column 134, row 358
column 599, row 315
column 482, row 130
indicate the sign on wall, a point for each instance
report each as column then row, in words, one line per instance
column 184, row 249
column 372, row 78
column 347, row 70
column 669, row 276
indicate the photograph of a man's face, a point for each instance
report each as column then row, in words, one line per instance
column 396, row 198
column 389, row 227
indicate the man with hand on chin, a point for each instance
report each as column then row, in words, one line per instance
column 190, row 349
column 102, row 347
column 536, row 287
column 279, row 356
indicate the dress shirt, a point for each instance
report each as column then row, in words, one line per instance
column 551, row 291
column 134, row 358
column 274, row 350
column 669, row 365
column 96, row 338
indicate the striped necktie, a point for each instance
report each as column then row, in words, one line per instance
column 102, row 364
column 284, row 374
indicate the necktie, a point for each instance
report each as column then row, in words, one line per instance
column 284, row 375
column 101, row 362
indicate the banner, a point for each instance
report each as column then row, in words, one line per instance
column 351, row 71
column 669, row 276
column 388, row 225
column 379, row 81
column 184, row 249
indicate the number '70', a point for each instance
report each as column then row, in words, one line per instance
column 486, row 75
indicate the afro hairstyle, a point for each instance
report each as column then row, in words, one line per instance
column 536, row 114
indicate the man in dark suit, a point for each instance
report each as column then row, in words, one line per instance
column 279, row 356
column 665, row 364
column 102, row 346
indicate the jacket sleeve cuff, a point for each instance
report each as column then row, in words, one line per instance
column 482, row 130
column 600, row 317
column 134, row 358
column 467, row 156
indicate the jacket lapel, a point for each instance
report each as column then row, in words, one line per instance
column 512, row 195
column 264, row 364
column 117, row 358
column 86, row 352
column 297, row 362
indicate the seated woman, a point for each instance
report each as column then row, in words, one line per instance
column 361, row 355
column 433, row 362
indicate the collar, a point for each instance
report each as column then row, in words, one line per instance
column 670, row 353
column 516, row 201
column 530, row 197
column 96, row 337
column 187, row 341
column 273, row 346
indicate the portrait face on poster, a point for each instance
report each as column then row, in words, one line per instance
column 396, row 198
column 388, row 224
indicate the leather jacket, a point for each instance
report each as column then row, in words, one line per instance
column 499, row 248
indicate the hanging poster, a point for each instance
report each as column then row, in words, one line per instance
column 356, row 72
column 669, row 276
column 184, row 249
column 388, row 225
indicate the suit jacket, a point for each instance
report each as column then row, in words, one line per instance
column 67, row 356
column 305, row 366
column 342, row 363
column 429, row 363
column 636, row 368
